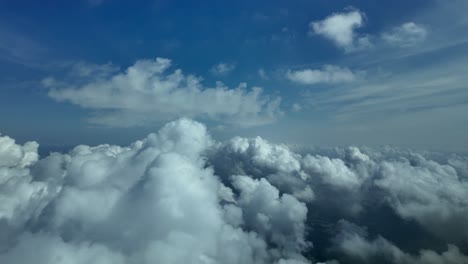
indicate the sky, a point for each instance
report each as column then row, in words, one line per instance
column 301, row 72
column 233, row 132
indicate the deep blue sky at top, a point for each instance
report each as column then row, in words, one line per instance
column 39, row 37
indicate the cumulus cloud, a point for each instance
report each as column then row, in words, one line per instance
column 329, row 74
column 341, row 28
column 153, row 201
column 148, row 91
column 223, row 68
column 179, row 196
column 353, row 242
column 405, row 35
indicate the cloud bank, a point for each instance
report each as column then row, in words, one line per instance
column 148, row 91
column 179, row 196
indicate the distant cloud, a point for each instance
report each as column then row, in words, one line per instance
column 328, row 74
column 405, row 35
column 296, row 107
column 223, row 68
column 146, row 92
column 340, row 29
column 262, row 73
column 353, row 242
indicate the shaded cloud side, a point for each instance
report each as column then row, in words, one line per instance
column 147, row 91
column 179, row 196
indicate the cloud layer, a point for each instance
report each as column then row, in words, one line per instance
column 148, row 91
column 179, row 196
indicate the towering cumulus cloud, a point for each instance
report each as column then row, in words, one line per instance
column 179, row 196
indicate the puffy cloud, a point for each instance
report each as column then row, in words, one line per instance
column 330, row 74
column 21, row 198
column 279, row 218
column 353, row 242
column 340, row 28
column 147, row 91
column 153, row 201
column 179, row 196
column 223, row 68
column 406, row 35
column 431, row 193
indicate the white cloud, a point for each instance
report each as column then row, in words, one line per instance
column 340, row 28
column 329, row 74
column 353, row 242
column 406, row 35
column 146, row 92
column 154, row 201
column 179, row 196
column 223, row 68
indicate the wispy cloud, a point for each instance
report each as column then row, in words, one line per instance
column 329, row 74
column 223, row 68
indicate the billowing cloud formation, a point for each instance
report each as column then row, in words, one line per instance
column 406, row 35
column 330, row 74
column 340, row 28
column 353, row 242
column 147, row 91
column 178, row 196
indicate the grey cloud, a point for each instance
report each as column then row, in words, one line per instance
column 353, row 242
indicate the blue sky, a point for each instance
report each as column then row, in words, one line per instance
column 331, row 72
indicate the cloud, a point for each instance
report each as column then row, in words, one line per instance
column 353, row 242
column 223, row 68
column 340, row 29
column 262, row 73
column 153, row 201
column 405, row 35
column 147, row 92
column 329, row 74
column 180, row 196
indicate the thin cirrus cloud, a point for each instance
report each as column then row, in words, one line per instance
column 340, row 28
column 148, row 91
column 329, row 74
